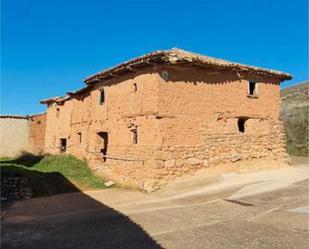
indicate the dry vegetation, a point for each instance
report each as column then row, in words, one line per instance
column 294, row 114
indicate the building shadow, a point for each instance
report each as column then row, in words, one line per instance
column 71, row 220
column 25, row 159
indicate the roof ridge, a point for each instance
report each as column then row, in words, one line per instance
column 175, row 55
column 172, row 56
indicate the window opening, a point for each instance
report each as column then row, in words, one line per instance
column 102, row 97
column 134, row 136
column 79, row 137
column 241, row 125
column 252, row 88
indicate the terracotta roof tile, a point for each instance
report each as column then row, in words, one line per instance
column 14, row 117
column 173, row 56
column 179, row 56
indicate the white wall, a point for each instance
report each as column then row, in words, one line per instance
column 14, row 135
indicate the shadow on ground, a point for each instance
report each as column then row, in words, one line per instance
column 72, row 220
column 41, row 183
column 25, row 159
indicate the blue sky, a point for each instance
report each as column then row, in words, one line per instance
column 48, row 47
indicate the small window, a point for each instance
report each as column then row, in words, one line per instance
column 252, row 88
column 79, row 134
column 134, row 87
column 134, row 136
column 63, row 145
column 102, row 97
column 241, row 125
column 57, row 112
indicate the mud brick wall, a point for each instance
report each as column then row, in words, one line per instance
column 22, row 134
column 37, row 126
column 185, row 121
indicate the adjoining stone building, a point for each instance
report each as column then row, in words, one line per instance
column 168, row 113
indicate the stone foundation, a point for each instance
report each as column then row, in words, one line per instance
column 148, row 168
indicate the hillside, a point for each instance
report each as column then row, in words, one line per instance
column 294, row 113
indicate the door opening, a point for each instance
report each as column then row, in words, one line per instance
column 63, row 145
column 103, row 150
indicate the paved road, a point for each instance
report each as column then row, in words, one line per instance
column 255, row 210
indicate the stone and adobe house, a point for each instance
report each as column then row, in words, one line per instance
column 168, row 113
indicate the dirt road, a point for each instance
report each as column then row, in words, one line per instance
column 265, row 209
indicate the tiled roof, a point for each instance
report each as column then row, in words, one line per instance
column 55, row 99
column 14, row 117
column 173, row 56
column 177, row 56
column 20, row 116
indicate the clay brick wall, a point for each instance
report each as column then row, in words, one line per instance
column 36, row 140
column 185, row 122
column 123, row 109
column 198, row 123
column 58, row 126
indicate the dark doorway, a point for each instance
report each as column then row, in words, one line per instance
column 241, row 124
column 103, row 150
column 63, row 145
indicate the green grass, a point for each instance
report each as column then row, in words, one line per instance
column 52, row 174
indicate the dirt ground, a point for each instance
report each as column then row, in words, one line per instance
column 260, row 209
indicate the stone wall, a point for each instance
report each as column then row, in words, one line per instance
column 14, row 187
column 224, row 149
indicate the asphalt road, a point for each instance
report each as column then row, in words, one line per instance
column 265, row 212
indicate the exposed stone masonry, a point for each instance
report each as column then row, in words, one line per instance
column 14, row 187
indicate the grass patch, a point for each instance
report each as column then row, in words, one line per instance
column 72, row 168
column 52, row 174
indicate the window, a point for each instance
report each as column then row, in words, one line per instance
column 241, row 124
column 79, row 134
column 134, row 136
column 63, row 145
column 134, row 87
column 102, row 97
column 57, row 112
column 252, row 88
